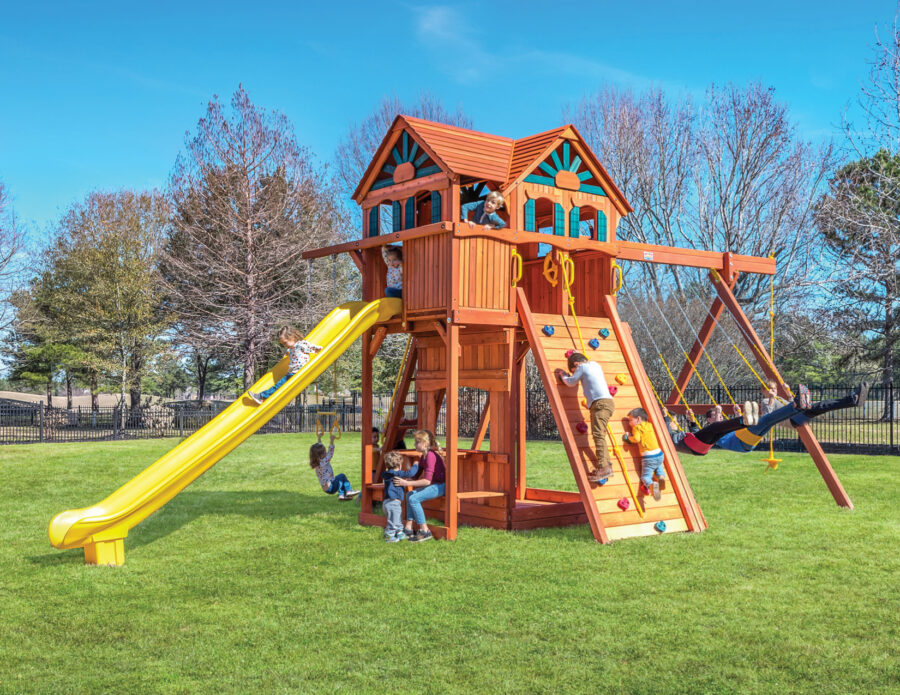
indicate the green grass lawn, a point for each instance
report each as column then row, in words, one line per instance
column 254, row 581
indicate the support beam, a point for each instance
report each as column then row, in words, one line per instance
column 483, row 421
column 703, row 336
column 759, row 352
column 377, row 340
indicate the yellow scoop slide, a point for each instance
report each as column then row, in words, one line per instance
column 101, row 529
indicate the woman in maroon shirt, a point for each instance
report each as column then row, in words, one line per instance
column 427, row 485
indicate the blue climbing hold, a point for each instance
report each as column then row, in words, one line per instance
column 548, row 330
column 603, row 481
column 594, row 343
column 660, row 526
column 604, row 332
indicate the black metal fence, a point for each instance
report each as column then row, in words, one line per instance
column 873, row 429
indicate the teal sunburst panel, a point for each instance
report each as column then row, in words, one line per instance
column 544, row 180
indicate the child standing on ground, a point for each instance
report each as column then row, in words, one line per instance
column 299, row 351
column 320, row 462
column 652, row 457
column 392, row 505
column 486, row 212
column 393, row 259
column 596, row 392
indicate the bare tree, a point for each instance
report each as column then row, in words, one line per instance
column 248, row 201
column 727, row 174
column 11, row 248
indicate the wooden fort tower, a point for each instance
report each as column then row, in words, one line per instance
column 477, row 300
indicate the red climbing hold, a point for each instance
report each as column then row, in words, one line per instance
column 624, row 504
column 581, row 427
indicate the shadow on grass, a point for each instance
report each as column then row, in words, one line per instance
column 58, row 558
column 262, row 504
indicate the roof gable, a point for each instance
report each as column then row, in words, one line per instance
column 566, row 162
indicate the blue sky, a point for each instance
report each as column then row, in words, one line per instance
column 98, row 95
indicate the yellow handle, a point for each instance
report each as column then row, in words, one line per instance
column 335, row 429
column 518, row 274
column 617, row 283
column 320, row 428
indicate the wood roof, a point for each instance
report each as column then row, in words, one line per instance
column 464, row 152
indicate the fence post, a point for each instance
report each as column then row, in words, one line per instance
column 891, row 411
column 115, row 414
column 181, row 422
column 41, row 430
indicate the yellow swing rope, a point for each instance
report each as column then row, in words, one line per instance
column 649, row 333
column 705, row 353
column 568, row 272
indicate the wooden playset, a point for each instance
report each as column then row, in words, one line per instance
column 476, row 300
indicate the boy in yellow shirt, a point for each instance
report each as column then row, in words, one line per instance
column 652, row 457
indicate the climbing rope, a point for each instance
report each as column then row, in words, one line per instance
column 397, row 384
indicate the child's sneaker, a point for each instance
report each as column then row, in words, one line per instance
column 422, row 536
column 255, row 397
column 401, row 536
column 657, row 495
column 643, row 489
column 342, row 497
column 392, row 539
column 860, row 394
column 351, row 494
column 600, row 474
column 747, row 410
column 802, row 400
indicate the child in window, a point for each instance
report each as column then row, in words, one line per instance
column 486, row 212
column 393, row 258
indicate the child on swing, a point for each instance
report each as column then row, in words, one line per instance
column 320, row 462
column 299, row 350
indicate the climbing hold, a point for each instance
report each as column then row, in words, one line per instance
column 569, row 353
column 622, row 378
column 581, row 427
column 584, row 403
column 604, row 332
column 548, row 330
column 602, row 481
column 660, row 526
column 594, row 343
column 613, row 390
column 624, row 503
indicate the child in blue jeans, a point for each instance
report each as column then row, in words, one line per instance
column 652, row 457
column 393, row 495
column 320, row 462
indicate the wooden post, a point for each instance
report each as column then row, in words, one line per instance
column 451, row 505
column 521, row 426
column 806, row 435
column 365, row 504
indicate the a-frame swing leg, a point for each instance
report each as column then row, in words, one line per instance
column 703, row 336
column 757, row 348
